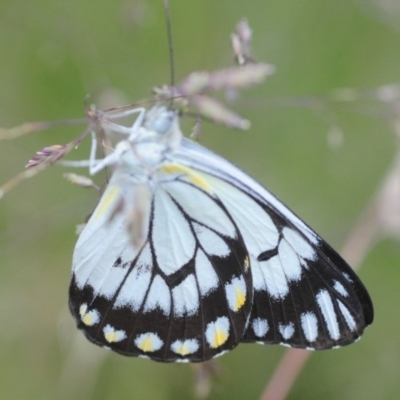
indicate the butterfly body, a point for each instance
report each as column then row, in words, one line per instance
column 185, row 256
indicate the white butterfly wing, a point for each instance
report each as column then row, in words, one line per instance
column 184, row 295
column 305, row 294
column 222, row 261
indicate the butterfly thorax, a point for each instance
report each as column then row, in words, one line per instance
column 152, row 145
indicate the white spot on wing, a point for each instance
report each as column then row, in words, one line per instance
column 89, row 318
column 185, row 347
column 309, row 325
column 174, row 243
column 350, row 321
column 340, row 288
column 82, row 309
column 257, row 273
column 275, row 274
column 207, row 278
column 287, row 331
column 220, row 354
column 112, row 335
column 148, row 342
column 186, row 297
column 212, row 244
column 260, row 327
column 326, row 306
column 269, row 275
column 235, row 292
column 217, row 332
column 159, row 296
column 347, row 277
column 299, row 244
column 289, row 261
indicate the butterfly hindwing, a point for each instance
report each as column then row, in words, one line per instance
column 185, row 295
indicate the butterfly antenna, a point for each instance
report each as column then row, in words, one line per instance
column 170, row 47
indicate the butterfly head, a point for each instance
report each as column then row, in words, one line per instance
column 159, row 119
column 162, row 125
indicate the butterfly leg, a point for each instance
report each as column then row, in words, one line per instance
column 131, row 132
column 92, row 163
column 97, row 165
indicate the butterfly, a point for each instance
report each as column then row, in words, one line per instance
column 186, row 256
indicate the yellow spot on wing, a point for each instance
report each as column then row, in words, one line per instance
column 190, row 174
column 220, row 337
column 106, row 201
column 183, row 350
column 88, row 318
column 112, row 337
column 246, row 262
column 146, row 344
column 240, row 298
column 82, row 309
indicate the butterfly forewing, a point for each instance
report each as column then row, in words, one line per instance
column 184, row 295
column 311, row 303
column 305, row 295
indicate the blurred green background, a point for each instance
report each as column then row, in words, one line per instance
column 324, row 165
